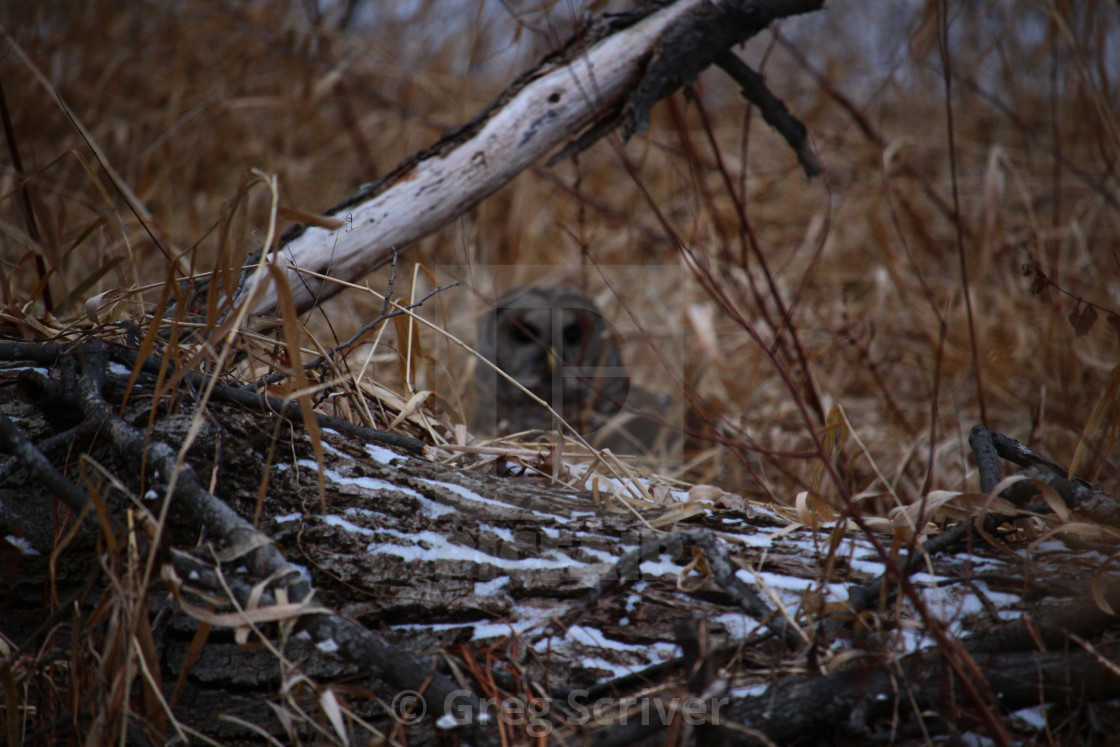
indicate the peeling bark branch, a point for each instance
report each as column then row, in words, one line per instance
column 609, row 75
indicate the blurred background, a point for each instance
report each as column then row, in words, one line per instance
column 957, row 263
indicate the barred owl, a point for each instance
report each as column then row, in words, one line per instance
column 556, row 344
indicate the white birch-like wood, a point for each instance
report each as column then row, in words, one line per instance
column 547, row 112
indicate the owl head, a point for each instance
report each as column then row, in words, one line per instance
column 554, row 342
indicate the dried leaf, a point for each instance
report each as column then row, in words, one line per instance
column 1100, row 584
column 1054, row 501
column 290, row 327
column 812, row 510
column 1082, row 318
column 880, row 525
column 410, row 407
column 94, row 304
column 835, row 436
column 950, row 504
column 917, row 515
column 662, row 495
column 677, row 515
column 328, row 701
column 193, row 651
column 720, row 497
column 151, row 683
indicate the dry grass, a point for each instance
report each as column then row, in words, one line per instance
column 843, row 293
column 858, row 276
column 183, row 100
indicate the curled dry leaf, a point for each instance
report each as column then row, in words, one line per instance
column 109, row 300
column 876, row 524
column 947, row 504
column 1054, row 501
column 411, row 407
column 720, row 498
column 662, row 494
column 812, row 510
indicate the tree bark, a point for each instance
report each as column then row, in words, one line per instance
column 463, row 586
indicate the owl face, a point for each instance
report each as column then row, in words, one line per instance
column 557, row 345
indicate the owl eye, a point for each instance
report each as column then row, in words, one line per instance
column 571, row 333
column 523, row 333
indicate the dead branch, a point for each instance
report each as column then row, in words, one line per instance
column 210, row 511
column 608, row 75
column 353, row 643
column 1088, row 500
column 84, row 373
column 848, row 702
column 774, row 111
column 467, row 522
column 248, row 397
column 13, row 439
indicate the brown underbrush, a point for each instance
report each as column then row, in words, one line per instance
column 831, row 340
